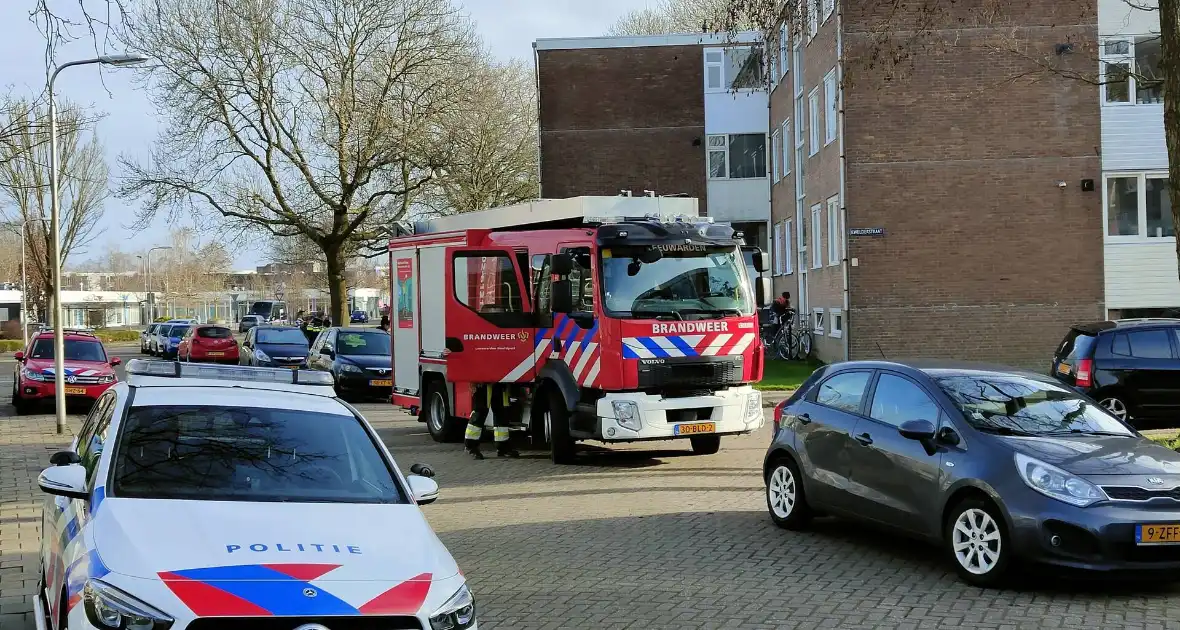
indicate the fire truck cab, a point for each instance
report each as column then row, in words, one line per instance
column 614, row 319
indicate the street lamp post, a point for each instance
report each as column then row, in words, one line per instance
column 59, row 343
column 148, row 280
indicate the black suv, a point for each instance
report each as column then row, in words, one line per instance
column 1130, row 366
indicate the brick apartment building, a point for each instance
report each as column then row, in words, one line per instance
column 675, row 115
column 949, row 211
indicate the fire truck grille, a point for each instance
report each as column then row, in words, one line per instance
column 690, row 373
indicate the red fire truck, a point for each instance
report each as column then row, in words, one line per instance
column 615, row 319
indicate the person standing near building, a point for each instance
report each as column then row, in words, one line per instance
column 492, row 398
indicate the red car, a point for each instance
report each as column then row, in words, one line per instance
column 88, row 371
column 208, row 344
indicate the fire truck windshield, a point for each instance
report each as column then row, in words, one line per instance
column 686, row 282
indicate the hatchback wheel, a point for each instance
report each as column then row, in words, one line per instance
column 978, row 542
column 785, row 497
column 1117, row 408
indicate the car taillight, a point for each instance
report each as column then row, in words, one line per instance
column 1084, row 373
column 778, row 417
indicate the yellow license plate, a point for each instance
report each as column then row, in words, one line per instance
column 695, row 428
column 75, row 391
column 215, row 354
column 381, row 383
column 1160, row 534
column 1063, row 368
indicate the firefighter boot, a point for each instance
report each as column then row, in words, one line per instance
column 471, row 440
column 503, row 447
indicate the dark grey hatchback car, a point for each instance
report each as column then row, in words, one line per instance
column 996, row 466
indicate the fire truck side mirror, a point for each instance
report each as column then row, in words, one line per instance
column 562, row 265
column 561, row 299
column 762, row 292
column 761, row 262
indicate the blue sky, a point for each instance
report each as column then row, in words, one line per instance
column 129, row 126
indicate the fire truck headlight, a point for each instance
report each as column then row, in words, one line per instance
column 627, row 414
column 754, row 406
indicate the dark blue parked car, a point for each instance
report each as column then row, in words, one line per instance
column 359, row 317
column 997, row 466
column 275, row 346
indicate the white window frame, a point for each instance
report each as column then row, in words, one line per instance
column 778, row 248
column 725, row 81
column 784, row 58
column 829, row 8
column 797, row 66
column 720, row 65
column 1129, row 60
column 836, row 316
column 817, row 321
column 710, row 149
column 835, row 246
column 775, row 157
column 786, row 147
column 813, row 10
column 830, row 103
column 788, row 264
column 772, row 67
column 1141, row 188
column 813, row 122
column 803, row 245
column 817, row 241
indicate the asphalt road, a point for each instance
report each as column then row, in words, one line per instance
column 645, row 537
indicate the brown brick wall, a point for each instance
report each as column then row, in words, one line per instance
column 622, row 118
column 958, row 158
column 825, row 285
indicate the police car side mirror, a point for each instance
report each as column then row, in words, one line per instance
column 425, row 490
column 65, row 458
column 64, row 481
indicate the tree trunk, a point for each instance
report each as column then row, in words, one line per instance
column 1170, row 64
column 337, row 285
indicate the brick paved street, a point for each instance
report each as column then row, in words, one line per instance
column 640, row 539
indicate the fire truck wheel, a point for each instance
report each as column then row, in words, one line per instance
column 442, row 426
column 557, row 419
column 706, row 444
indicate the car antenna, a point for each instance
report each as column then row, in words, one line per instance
column 878, row 344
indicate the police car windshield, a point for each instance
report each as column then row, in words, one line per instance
column 691, row 280
column 283, row 336
column 76, row 350
column 217, row 453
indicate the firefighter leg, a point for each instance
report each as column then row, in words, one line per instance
column 479, row 415
column 500, row 406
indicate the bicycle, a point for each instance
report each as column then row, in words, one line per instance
column 799, row 344
column 778, row 335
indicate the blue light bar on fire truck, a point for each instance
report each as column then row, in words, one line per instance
column 282, row 376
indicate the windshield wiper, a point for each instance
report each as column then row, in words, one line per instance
column 1087, row 432
column 1002, row 430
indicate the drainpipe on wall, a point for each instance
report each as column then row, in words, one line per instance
column 537, row 83
column 843, row 178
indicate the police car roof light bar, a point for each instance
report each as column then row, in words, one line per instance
column 176, row 369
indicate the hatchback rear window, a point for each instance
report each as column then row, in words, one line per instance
column 214, row 333
column 1077, row 345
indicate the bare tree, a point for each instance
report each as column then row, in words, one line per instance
column 24, row 181
column 191, row 268
column 312, row 118
column 673, row 16
column 495, row 157
column 65, row 21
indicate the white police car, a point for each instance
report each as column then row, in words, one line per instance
column 199, row 497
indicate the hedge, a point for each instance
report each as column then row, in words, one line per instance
column 10, row 345
column 117, row 334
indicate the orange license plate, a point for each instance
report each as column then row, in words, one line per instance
column 75, row 391
column 695, row 428
column 381, row 383
column 215, row 354
column 1163, row 534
